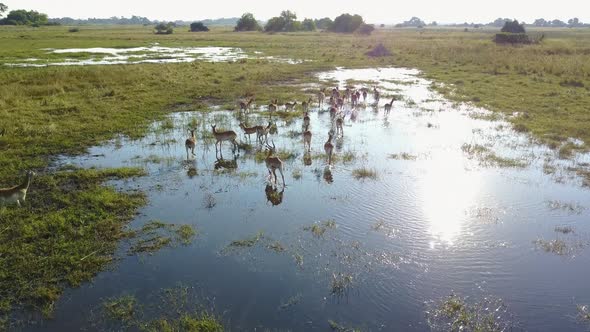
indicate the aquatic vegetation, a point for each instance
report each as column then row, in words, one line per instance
column 276, row 247
column 209, row 201
column 564, row 229
column 121, row 308
column 571, row 207
column 156, row 235
column 488, row 158
column 247, row 242
column 583, row 313
column 334, row 326
column 185, row 234
column 454, row 313
column 403, row 156
column 197, row 322
column 364, row 173
column 557, row 246
column 297, row 174
column 290, row 302
column 319, row 229
column 340, row 284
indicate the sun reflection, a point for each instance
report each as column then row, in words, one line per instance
column 448, row 191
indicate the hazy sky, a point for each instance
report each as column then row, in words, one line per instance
column 374, row 11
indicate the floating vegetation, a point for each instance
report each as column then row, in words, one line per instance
column 276, row 247
column 334, row 326
column 284, row 155
column 583, row 313
column 364, row 173
column 573, row 208
column 557, row 246
column 247, row 242
column 340, row 284
column 154, row 159
column 488, row 158
column 403, row 156
column 290, row 302
column 454, row 313
column 156, row 235
column 298, row 259
column 297, row 174
column 121, row 309
column 319, row 229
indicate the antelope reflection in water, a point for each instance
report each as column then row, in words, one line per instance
column 273, row 195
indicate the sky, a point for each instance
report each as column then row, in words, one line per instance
column 373, row 11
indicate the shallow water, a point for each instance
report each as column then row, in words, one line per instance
column 151, row 54
column 437, row 221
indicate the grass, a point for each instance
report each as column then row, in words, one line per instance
column 364, row 173
column 488, row 158
column 319, row 229
column 121, row 308
column 403, row 156
column 155, row 235
column 454, row 313
column 340, row 284
column 247, row 242
column 557, row 246
column 335, row 326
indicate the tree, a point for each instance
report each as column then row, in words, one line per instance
column 23, row 17
column 513, row 27
column 308, row 25
column 3, row 9
column 198, row 27
column 287, row 22
column 365, row 29
column 573, row 22
column 346, row 23
column 324, row 23
column 247, row 23
column 164, row 29
column 275, row 24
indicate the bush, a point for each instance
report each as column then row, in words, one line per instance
column 379, row 51
column 23, row 17
column 324, row 23
column 74, row 30
column 513, row 27
column 287, row 22
column 346, row 23
column 308, row 25
column 198, row 27
column 247, row 23
column 365, row 29
column 512, row 38
column 164, row 29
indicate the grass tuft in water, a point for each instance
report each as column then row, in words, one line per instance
column 340, row 284
column 156, row 235
column 335, row 326
column 403, row 156
column 319, row 229
column 121, row 309
column 247, row 242
column 364, row 173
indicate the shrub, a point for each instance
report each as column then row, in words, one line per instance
column 164, row 29
column 365, row 29
column 247, row 23
column 512, row 38
column 513, row 27
column 23, row 17
column 324, row 23
column 198, row 27
column 308, row 25
column 74, row 30
column 379, row 51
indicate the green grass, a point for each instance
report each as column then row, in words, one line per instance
column 318, row 229
column 364, row 173
column 248, row 242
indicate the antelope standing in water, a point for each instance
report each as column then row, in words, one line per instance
column 365, row 96
column 321, row 97
column 290, row 106
column 388, row 106
column 273, row 163
column 339, row 126
column 245, row 106
column 249, row 130
column 329, row 148
column 221, row 136
column 305, row 105
column 306, row 120
column 333, row 111
column 273, row 106
column 190, row 143
column 16, row 194
column 376, row 96
column 307, row 138
column 263, row 131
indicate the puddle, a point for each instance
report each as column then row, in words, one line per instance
column 438, row 218
column 150, row 54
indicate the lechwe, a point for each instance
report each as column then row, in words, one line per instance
column 190, row 143
column 307, row 138
column 221, row 136
column 16, row 194
column 329, row 147
column 273, row 163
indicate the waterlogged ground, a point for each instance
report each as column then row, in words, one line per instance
column 453, row 202
column 135, row 55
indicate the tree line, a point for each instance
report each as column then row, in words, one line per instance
column 287, row 22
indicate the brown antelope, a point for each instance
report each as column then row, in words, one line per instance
column 263, row 131
column 388, row 106
column 321, row 97
column 347, row 93
column 249, row 130
column 245, row 106
column 333, row 111
column 290, row 106
column 335, row 93
column 16, row 194
column 190, row 143
column 340, row 102
column 221, row 136
column 305, row 105
column 273, row 106
column 364, row 95
column 273, row 163
column 339, row 126
column 307, row 138
column 353, row 99
column 306, row 120
column 376, row 95
column 329, row 148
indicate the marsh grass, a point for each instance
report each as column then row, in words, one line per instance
column 290, row 302
column 247, row 242
column 121, row 309
column 340, row 284
column 364, row 173
column 403, row 156
column 318, row 229
column 338, row 327
column 156, row 235
column 488, row 158
column 570, row 207
column 583, row 313
column 455, row 313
